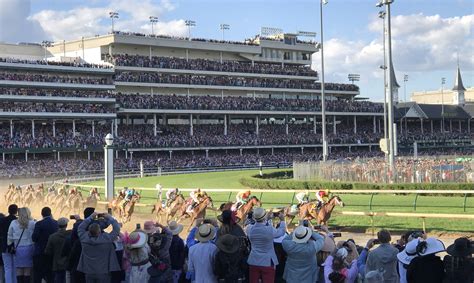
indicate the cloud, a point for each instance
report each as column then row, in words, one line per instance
column 15, row 26
column 420, row 43
column 89, row 21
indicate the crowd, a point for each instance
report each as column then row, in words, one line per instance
column 17, row 106
column 70, row 79
column 413, row 133
column 56, row 92
column 201, row 102
column 218, row 250
column 54, row 63
column 208, row 65
column 161, row 78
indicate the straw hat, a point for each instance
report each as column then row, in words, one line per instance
column 205, row 233
column 259, row 213
column 329, row 245
column 302, row 234
column 149, row 227
column 228, row 243
column 175, row 228
column 137, row 239
column 461, row 247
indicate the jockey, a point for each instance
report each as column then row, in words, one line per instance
column 171, row 195
column 323, row 197
column 72, row 191
column 93, row 191
column 242, row 198
column 196, row 196
column 129, row 193
column 302, row 198
column 121, row 194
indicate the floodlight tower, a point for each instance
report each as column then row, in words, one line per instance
column 323, row 96
column 189, row 24
column 353, row 78
column 224, row 27
column 153, row 21
column 113, row 15
column 46, row 44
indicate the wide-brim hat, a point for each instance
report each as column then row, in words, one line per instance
column 329, row 245
column 228, row 243
column 205, row 233
column 461, row 247
column 175, row 227
column 409, row 252
column 149, row 227
column 302, row 234
column 259, row 213
column 433, row 246
column 137, row 239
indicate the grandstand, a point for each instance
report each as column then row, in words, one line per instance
column 180, row 102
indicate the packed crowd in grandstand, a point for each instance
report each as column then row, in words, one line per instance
column 218, row 249
column 54, row 63
column 36, row 77
column 54, row 107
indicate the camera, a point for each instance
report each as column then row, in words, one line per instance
column 336, row 234
column 250, row 215
column 317, row 227
column 72, row 217
column 305, row 223
column 376, row 242
column 101, row 215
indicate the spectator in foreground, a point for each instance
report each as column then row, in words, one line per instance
column 229, row 264
column 384, row 257
column 98, row 258
column 9, row 267
column 19, row 236
column 301, row 247
column 459, row 264
column 41, row 262
column 427, row 267
column 201, row 256
column 405, row 257
column 177, row 255
column 262, row 259
column 137, row 251
column 336, row 264
column 54, row 249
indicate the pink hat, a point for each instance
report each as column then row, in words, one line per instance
column 149, row 227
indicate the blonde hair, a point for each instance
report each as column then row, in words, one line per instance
column 24, row 217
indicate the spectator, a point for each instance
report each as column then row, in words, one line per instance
column 201, row 256
column 427, row 267
column 281, row 257
column 459, row 264
column 98, row 258
column 385, row 257
column 406, row 256
column 8, row 263
column 160, row 252
column 327, row 249
column 262, row 259
column 41, row 262
column 176, row 250
column 301, row 248
column 362, row 259
column 229, row 264
column 54, row 249
column 119, row 276
column 336, row 263
column 19, row 237
column 137, row 253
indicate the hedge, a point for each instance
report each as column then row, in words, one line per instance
column 282, row 181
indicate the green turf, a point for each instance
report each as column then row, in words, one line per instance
column 380, row 202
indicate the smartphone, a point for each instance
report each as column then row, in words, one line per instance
column 72, row 217
column 317, row 227
column 305, row 223
column 336, row 234
column 138, row 227
column 100, row 215
column 376, row 242
column 109, row 211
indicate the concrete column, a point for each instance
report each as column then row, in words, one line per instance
column 93, row 128
column 112, row 128
column 314, row 124
column 222, row 94
column 460, row 128
column 355, row 124
column 207, row 153
column 33, row 128
column 272, row 151
column 26, row 155
column 431, row 126
column 11, row 129
column 116, row 154
column 191, row 129
column 334, row 129
column 286, row 125
column 155, row 126
column 88, row 155
column 165, row 120
column 302, row 150
column 3, row 156
column 380, row 126
column 350, row 148
column 116, row 128
column 126, row 154
column 257, row 124
column 187, row 55
column 59, row 156
column 450, row 126
column 241, row 151
column 225, row 124
column 131, row 155
column 74, row 128
column 171, row 154
column 54, row 128
column 421, row 124
column 375, row 125
column 469, row 125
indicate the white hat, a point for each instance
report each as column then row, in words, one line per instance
column 137, row 239
column 342, row 253
column 409, row 252
column 433, row 246
column 259, row 213
column 302, row 234
column 175, row 228
column 420, row 247
column 205, row 233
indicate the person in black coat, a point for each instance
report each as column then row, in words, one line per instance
column 42, row 264
column 229, row 264
column 427, row 266
column 459, row 264
column 9, row 268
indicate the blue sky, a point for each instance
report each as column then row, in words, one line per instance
column 427, row 34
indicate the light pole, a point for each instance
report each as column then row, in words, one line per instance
column 443, row 81
column 384, row 68
column 405, row 80
column 224, row 27
column 189, row 24
column 109, row 167
column 153, row 21
column 113, row 15
column 353, row 78
column 390, row 77
column 46, row 44
column 323, row 97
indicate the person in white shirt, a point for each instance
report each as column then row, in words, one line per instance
column 20, row 237
column 159, row 191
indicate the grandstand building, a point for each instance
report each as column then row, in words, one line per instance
column 181, row 102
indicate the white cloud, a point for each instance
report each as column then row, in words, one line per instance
column 15, row 26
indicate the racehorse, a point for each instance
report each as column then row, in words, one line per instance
column 309, row 212
column 243, row 209
column 127, row 211
column 92, row 200
column 198, row 212
column 170, row 210
column 114, row 205
column 74, row 203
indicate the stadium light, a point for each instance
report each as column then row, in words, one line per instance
column 384, row 68
column 389, row 84
column 323, row 97
column 113, row 15
column 405, row 80
column 443, row 81
column 224, row 27
column 153, row 21
column 46, row 44
column 353, row 78
column 109, row 166
column 189, row 24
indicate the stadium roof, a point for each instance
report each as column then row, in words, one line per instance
column 430, row 111
column 458, row 85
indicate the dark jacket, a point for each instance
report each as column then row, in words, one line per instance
column 229, row 267
column 427, row 268
column 458, row 270
column 4, row 224
column 54, row 248
column 177, row 253
column 43, row 229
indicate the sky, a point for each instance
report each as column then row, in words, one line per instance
column 428, row 36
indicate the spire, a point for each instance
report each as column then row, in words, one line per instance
column 458, row 85
column 393, row 78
